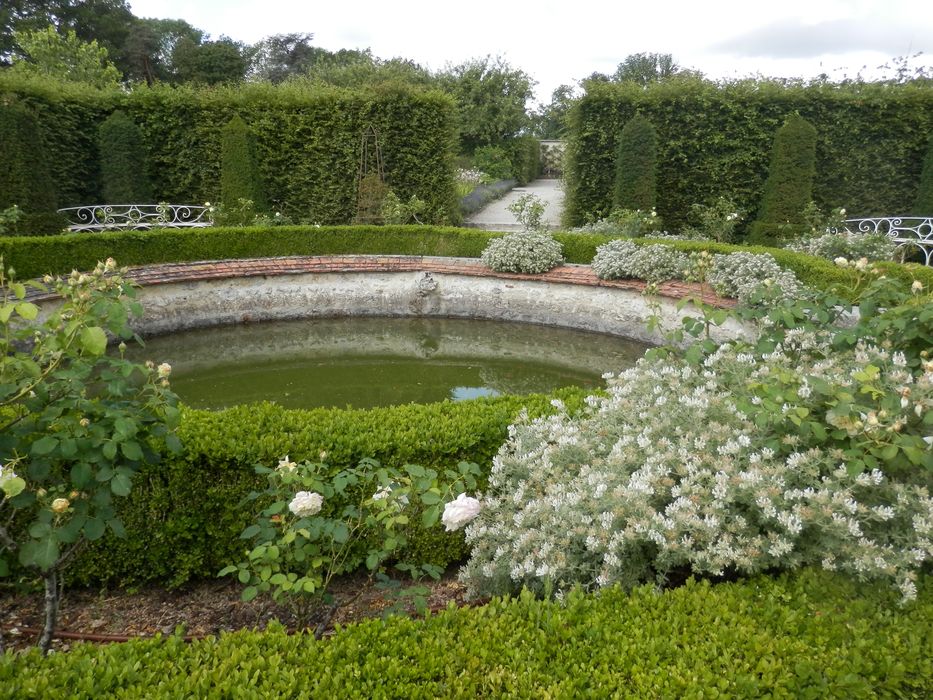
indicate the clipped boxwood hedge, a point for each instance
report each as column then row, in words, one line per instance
column 809, row 635
column 184, row 517
column 33, row 256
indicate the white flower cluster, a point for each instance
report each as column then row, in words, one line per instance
column 667, row 472
column 471, row 176
column 621, row 259
column 524, row 252
column 847, row 245
column 306, row 504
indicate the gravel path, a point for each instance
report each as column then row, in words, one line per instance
column 496, row 216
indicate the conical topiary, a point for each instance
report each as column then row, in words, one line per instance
column 239, row 173
column 123, row 162
column 25, row 179
column 789, row 187
column 636, row 166
column 923, row 205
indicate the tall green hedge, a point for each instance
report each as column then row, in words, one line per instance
column 716, row 141
column 307, row 141
column 25, row 179
column 636, row 166
column 124, row 170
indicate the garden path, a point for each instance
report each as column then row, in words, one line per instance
column 496, row 217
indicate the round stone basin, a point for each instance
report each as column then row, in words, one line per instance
column 368, row 362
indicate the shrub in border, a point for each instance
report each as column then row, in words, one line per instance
column 923, row 205
column 239, row 175
column 804, row 636
column 184, row 519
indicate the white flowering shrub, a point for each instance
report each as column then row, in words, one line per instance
column 621, row 259
column 683, row 467
column 742, row 275
column 851, row 246
column 524, row 252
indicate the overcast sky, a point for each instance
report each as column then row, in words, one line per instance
column 562, row 42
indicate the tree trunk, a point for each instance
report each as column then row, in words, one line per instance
column 51, row 609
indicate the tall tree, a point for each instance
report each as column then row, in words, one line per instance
column 492, row 98
column 48, row 53
column 646, row 68
column 550, row 121
column 150, row 45
column 281, row 56
column 209, row 63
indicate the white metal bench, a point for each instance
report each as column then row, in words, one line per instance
column 110, row 217
column 908, row 232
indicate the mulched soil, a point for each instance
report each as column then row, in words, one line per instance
column 201, row 609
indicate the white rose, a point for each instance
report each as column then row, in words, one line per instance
column 916, row 287
column 60, row 505
column 841, row 262
column 164, row 370
column 459, row 512
column 286, row 463
column 306, row 503
column 861, row 264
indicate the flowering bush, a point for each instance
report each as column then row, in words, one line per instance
column 672, row 471
column 717, row 221
column 632, row 223
column 620, row 259
column 76, row 423
column 319, row 517
column 529, row 212
column 525, row 252
column 742, row 275
column 850, row 246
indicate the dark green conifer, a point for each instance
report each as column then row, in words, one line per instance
column 123, row 162
column 636, row 166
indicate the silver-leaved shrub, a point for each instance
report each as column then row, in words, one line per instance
column 851, row 246
column 621, row 259
column 671, row 472
column 742, row 275
column 524, row 252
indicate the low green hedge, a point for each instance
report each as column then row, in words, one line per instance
column 34, row 256
column 809, row 635
column 184, row 517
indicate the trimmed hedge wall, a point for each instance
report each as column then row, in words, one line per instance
column 809, row 635
column 716, row 141
column 307, row 138
column 34, row 256
column 185, row 516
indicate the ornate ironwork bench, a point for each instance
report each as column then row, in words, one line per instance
column 109, row 217
column 908, row 232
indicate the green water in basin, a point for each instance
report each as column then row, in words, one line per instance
column 368, row 362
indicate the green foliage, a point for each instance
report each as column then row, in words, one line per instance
column 209, row 62
column 789, row 187
column 77, row 424
column 525, row 157
column 124, row 168
column 636, row 166
column 528, row 210
column 195, row 497
column 64, row 57
column 632, row 223
column 812, row 635
column 494, row 161
column 316, row 518
column 924, row 201
column 491, row 98
column 8, row 219
column 25, row 180
column 716, row 221
column 398, row 213
column 239, row 174
column 306, row 137
column 715, row 140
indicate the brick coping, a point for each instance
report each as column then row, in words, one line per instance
column 203, row 270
